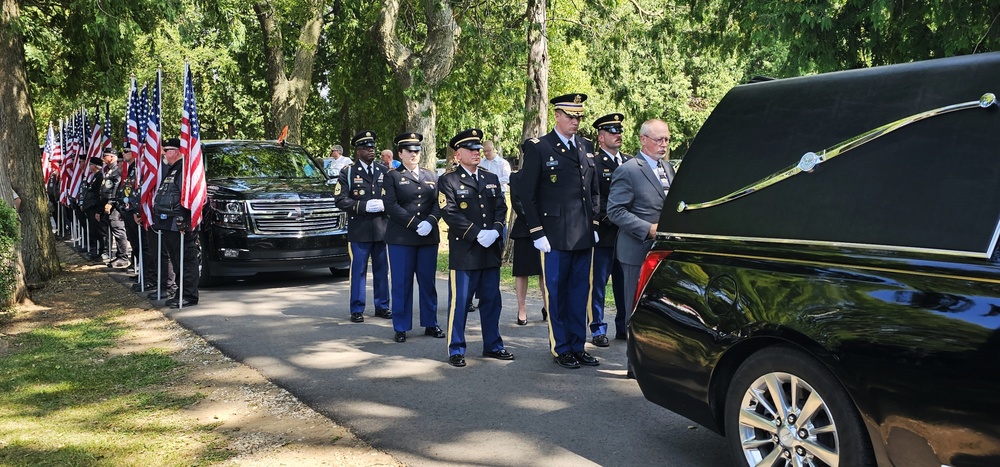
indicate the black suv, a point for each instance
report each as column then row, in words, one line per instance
column 824, row 288
column 270, row 208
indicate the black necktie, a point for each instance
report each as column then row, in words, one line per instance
column 371, row 172
column 572, row 147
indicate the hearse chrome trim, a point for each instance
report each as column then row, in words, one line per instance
column 810, row 160
column 866, row 246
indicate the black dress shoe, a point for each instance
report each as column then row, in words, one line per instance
column 457, row 360
column 629, row 374
column 521, row 322
column 164, row 295
column 383, row 313
column 586, row 359
column 620, row 336
column 138, row 288
column 434, row 331
column 501, row 354
column 174, row 303
column 545, row 314
column 400, row 337
column 567, row 360
column 471, row 308
column 357, row 317
column 600, row 341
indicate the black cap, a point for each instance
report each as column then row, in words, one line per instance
column 174, row 143
column 110, row 152
column 468, row 139
column 611, row 123
column 364, row 138
column 408, row 141
column 96, row 161
column 572, row 104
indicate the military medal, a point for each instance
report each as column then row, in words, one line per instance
column 463, row 205
column 361, row 192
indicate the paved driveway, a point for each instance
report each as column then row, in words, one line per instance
column 405, row 399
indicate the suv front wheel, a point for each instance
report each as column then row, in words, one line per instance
column 784, row 409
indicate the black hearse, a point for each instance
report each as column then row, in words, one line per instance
column 824, row 289
column 270, row 208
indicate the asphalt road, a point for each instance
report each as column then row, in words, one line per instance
column 405, row 399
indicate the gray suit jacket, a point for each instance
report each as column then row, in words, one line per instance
column 634, row 202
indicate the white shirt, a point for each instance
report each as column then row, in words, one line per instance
column 333, row 166
column 500, row 167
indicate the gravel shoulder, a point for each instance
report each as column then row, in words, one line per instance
column 263, row 424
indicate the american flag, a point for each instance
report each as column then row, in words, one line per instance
column 107, row 127
column 69, row 165
column 50, row 154
column 193, row 189
column 96, row 146
column 133, row 119
column 149, row 169
column 80, row 129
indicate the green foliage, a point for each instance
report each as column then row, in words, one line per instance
column 10, row 235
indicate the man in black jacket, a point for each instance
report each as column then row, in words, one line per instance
column 473, row 206
column 111, row 218
column 359, row 192
column 173, row 220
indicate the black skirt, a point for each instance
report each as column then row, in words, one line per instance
column 527, row 259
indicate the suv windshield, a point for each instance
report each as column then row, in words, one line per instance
column 258, row 160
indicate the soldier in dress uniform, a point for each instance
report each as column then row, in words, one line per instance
column 111, row 219
column 558, row 189
column 171, row 219
column 473, row 206
column 606, row 159
column 412, row 238
column 359, row 192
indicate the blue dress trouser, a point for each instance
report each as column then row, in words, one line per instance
column 567, row 275
column 405, row 262
column 486, row 284
column 361, row 252
column 606, row 266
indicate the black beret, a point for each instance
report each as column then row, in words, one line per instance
column 572, row 104
column 408, row 141
column 612, row 123
column 469, row 139
column 364, row 138
column 172, row 143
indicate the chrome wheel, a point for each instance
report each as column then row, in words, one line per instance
column 784, row 421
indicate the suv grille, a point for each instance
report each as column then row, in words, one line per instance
column 296, row 217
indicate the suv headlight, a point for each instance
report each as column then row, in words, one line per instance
column 230, row 214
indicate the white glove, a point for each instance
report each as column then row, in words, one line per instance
column 374, row 205
column 424, row 228
column 487, row 237
column 597, row 238
column 542, row 244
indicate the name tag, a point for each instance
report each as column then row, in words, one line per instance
column 404, row 182
column 551, row 163
column 462, row 192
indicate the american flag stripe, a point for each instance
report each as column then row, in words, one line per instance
column 133, row 119
column 150, row 167
column 193, row 188
column 48, row 154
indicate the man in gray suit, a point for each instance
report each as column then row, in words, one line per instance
column 634, row 201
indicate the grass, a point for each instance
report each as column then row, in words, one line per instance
column 64, row 400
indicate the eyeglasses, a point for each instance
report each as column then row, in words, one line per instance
column 658, row 141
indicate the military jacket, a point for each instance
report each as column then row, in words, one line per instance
column 519, row 229
column 410, row 197
column 559, row 191
column 127, row 198
column 353, row 191
column 469, row 207
column 606, row 165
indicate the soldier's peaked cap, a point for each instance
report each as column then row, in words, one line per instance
column 469, row 139
column 611, row 123
column 409, row 141
column 363, row 138
column 572, row 104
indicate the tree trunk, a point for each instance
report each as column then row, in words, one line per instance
column 20, row 158
column 420, row 73
column 289, row 92
column 536, row 94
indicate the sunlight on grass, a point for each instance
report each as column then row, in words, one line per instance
column 65, row 401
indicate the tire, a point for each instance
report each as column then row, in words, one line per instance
column 206, row 278
column 340, row 272
column 831, row 434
